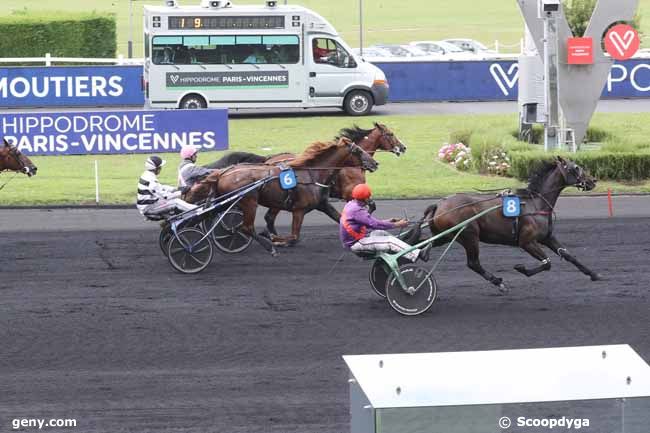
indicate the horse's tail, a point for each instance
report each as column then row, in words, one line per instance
column 430, row 212
column 413, row 236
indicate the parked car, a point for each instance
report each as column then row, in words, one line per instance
column 373, row 53
column 402, row 50
column 472, row 46
column 441, row 48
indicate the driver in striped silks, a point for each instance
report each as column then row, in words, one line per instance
column 361, row 233
column 156, row 200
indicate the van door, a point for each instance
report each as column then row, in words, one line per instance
column 331, row 69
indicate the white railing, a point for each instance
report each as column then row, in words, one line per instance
column 48, row 60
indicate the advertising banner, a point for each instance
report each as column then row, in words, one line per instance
column 89, row 86
column 115, row 132
column 494, row 80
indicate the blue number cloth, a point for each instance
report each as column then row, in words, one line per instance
column 511, row 206
column 288, row 179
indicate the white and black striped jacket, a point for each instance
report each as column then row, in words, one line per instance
column 150, row 191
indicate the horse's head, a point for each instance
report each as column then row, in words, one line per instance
column 13, row 159
column 388, row 141
column 574, row 175
column 360, row 158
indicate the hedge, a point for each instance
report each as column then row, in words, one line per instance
column 603, row 165
column 61, row 34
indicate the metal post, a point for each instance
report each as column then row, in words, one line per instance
column 361, row 27
column 551, row 88
column 130, row 45
column 96, row 182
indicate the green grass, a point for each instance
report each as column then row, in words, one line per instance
column 70, row 179
column 385, row 20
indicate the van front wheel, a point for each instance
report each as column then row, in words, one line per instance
column 192, row 102
column 358, row 103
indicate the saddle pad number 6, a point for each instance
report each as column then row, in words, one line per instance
column 511, row 206
column 288, row 179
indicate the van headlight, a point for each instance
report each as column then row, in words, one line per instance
column 380, row 79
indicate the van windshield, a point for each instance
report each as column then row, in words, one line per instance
column 330, row 52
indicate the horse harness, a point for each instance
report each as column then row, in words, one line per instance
column 516, row 226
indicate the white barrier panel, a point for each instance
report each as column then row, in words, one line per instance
column 591, row 389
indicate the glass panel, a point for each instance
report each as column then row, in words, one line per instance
column 249, row 40
column 280, row 40
column 167, row 40
column 196, row 40
column 222, row 40
column 636, row 415
column 590, row 416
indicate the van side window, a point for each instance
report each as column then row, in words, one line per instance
column 328, row 51
column 219, row 50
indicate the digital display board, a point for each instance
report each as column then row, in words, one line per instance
column 225, row 22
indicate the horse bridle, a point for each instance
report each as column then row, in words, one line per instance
column 15, row 154
column 387, row 135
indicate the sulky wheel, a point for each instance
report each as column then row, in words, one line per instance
column 379, row 275
column 420, row 291
column 227, row 236
column 188, row 252
column 165, row 236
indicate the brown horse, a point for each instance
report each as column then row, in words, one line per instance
column 379, row 138
column 530, row 231
column 313, row 169
column 14, row 160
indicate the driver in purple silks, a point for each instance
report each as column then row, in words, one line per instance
column 360, row 232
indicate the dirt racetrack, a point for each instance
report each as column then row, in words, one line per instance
column 95, row 325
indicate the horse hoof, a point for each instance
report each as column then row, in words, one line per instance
column 503, row 288
column 274, row 253
column 520, row 268
column 596, row 277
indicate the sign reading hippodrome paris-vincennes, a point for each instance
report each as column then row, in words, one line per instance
column 227, row 79
column 115, row 132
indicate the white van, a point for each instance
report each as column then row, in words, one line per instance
column 221, row 55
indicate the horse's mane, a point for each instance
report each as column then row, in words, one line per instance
column 354, row 133
column 536, row 180
column 312, row 152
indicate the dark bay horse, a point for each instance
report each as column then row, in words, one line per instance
column 14, row 160
column 379, row 138
column 533, row 229
column 313, row 169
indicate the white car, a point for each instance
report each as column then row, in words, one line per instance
column 402, row 50
column 472, row 46
column 445, row 49
column 373, row 53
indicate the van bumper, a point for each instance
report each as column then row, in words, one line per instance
column 379, row 93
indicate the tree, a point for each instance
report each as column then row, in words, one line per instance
column 578, row 13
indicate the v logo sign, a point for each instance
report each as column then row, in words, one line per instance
column 505, row 80
column 622, row 44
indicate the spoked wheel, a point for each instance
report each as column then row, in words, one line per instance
column 165, row 236
column 379, row 275
column 187, row 253
column 420, row 290
column 227, row 236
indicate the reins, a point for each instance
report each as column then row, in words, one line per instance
column 8, row 180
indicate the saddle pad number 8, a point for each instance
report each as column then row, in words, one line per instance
column 288, row 179
column 511, row 206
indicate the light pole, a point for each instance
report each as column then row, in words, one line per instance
column 361, row 28
column 130, row 44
